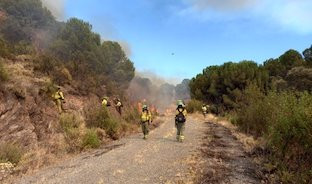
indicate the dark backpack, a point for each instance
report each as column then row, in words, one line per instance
column 108, row 104
column 180, row 117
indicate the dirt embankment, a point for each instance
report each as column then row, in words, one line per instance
column 29, row 117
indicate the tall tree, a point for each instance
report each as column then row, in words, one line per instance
column 23, row 19
column 291, row 58
column 308, row 55
column 223, row 85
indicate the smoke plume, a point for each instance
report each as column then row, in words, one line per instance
column 126, row 47
column 156, row 79
column 57, row 7
column 157, row 91
column 221, row 4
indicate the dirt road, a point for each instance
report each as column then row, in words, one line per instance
column 160, row 159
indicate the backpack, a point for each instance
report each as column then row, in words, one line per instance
column 108, row 104
column 180, row 117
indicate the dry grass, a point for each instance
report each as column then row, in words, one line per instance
column 10, row 153
column 248, row 141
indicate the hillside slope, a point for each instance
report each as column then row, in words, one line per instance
column 29, row 118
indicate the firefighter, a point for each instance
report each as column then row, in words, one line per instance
column 118, row 106
column 105, row 102
column 59, row 99
column 204, row 110
column 146, row 119
column 180, row 120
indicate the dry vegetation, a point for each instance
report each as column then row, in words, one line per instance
column 31, row 68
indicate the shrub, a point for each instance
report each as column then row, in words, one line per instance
column 48, row 88
column 3, row 73
column 61, row 76
column 10, row 153
column 98, row 117
column 132, row 115
column 91, row 139
column 70, row 124
column 254, row 111
column 194, row 106
column 215, row 109
column 46, row 64
column 22, row 48
column 285, row 121
column 69, row 121
column 289, row 135
column 4, row 50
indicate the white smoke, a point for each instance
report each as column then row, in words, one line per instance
column 126, row 47
column 157, row 79
column 155, row 89
column 291, row 14
column 57, row 7
column 288, row 14
column 221, row 4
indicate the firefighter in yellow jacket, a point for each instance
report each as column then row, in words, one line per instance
column 180, row 120
column 146, row 119
column 204, row 110
column 105, row 102
column 58, row 97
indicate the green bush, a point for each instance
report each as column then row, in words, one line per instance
column 69, row 121
column 285, row 121
column 10, row 153
column 132, row 115
column 194, row 106
column 48, row 88
column 289, row 135
column 3, row 73
column 98, row 117
column 46, row 64
column 22, row 48
column 4, row 50
column 91, row 139
column 70, row 124
column 215, row 109
column 254, row 111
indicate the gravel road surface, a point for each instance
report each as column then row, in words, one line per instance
column 160, row 159
column 209, row 154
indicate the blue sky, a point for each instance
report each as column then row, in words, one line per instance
column 200, row 33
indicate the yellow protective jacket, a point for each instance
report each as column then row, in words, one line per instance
column 104, row 102
column 58, row 95
column 146, row 116
column 184, row 112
